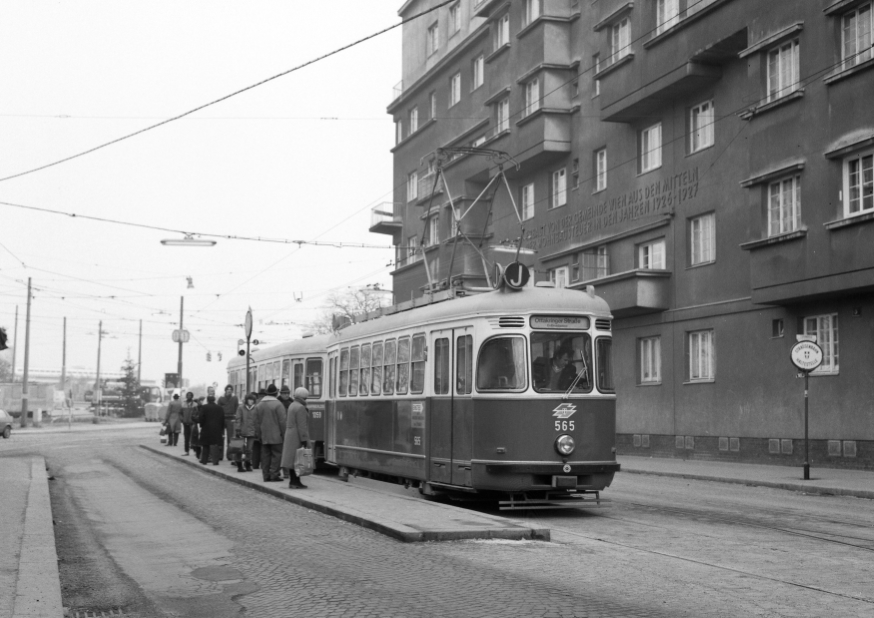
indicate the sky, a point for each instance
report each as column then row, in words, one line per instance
column 305, row 156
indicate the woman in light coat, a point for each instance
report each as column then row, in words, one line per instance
column 297, row 434
column 173, row 420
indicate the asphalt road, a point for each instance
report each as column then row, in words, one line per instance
column 140, row 534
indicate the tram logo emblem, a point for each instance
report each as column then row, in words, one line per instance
column 564, row 410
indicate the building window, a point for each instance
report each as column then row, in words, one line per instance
column 600, row 170
column 651, row 148
column 575, row 178
column 502, row 31
column 620, row 40
column 454, row 18
column 412, row 186
column 532, row 10
column 859, row 183
column 591, row 264
column 454, row 89
column 432, row 233
column 559, row 276
column 825, row 327
column 399, row 131
column 532, row 96
column 650, row 360
column 651, row 255
column 502, row 112
column 701, row 126
column 857, row 26
column 479, row 64
column 701, row 241
column 784, row 206
column 777, row 329
column 701, row 356
column 414, row 120
column 412, row 249
column 667, row 14
column 596, row 67
column 528, row 201
column 432, row 105
column 783, row 70
column 559, row 188
column 432, row 41
column 478, row 141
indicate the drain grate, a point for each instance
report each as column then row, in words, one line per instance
column 96, row 613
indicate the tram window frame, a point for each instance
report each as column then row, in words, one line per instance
column 464, row 365
column 297, row 382
column 442, row 354
column 313, row 381
column 354, row 359
column 389, row 359
column 332, row 385
column 364, row 382
column 286, row 371
column 519, row 368
column 606, row 381
column 541, row 365
column 403, row 366
column 376, row 369
column 343, row 382
column 418, row 357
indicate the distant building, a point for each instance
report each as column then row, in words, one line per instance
column 705, row 164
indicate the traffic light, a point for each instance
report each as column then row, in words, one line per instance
column 209, row 357
column 219, row 356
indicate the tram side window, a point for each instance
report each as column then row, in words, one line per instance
column 604, row 349
column 388, row 381
column 561, row 360
column 376, row 376
column 464, row 365
column 275, row 371
column 354, row 359
column 403, row 365
column 501, row 364
column 344, row 372
column 441, row 366
column 286, row 371
column 365, row 369
column 417, row 379
column 298, row 376
column 332, row 368
column 314, row 377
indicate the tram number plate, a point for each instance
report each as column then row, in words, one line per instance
column 564, row 425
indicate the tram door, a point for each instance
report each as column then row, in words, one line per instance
column 450, row 410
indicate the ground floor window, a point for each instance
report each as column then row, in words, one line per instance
column 650, row 360
column 825, row 327
column 701, row 356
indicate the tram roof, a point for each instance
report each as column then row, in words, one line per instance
column 540, row 300
column 305, row 345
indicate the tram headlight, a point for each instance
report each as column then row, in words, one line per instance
column 564, row 444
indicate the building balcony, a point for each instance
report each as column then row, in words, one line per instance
column 635, row 292
column 541, row 137
column 384, row 221
column 482, row 8
column 427, row 186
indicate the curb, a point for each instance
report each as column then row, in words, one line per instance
column 38, row 589
column 808, row 489
column 388, row 529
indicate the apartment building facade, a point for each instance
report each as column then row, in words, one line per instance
column 706, row 165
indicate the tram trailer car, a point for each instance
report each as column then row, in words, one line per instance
column 301, row 362
column 502, row 395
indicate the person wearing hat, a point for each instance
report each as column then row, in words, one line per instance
column 297, row 434
column 173, row 420
column 212, row 429
column 229, row 404
column 189, row 424
column 245, row 428
column 269, row 425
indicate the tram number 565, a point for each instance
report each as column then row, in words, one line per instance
column 564, row 425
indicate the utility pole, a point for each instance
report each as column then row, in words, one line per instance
column 24, row 392
column 97, row 392
column 140, row 356
column 64, row 376
column 15, row 344
column 181, row 330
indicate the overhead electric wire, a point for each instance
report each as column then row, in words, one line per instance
column 224, row 98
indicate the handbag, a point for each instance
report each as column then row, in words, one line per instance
column 235, row 447
column 303, row 461
column 163, row 431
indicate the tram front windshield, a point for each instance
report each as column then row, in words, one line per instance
column 561, row 362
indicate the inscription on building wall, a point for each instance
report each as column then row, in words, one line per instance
column 657, row 197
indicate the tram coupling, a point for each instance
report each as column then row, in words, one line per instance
column 554, row 500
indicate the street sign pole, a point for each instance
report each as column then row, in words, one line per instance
column 181, row 326
column 248, row 328
column 806, row 355
column 806, row 456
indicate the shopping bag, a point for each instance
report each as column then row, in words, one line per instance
column 235, row 447
column 303, row 461
column 163, row 431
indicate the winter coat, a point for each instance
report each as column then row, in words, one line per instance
column 269, row 420
column 245, row 421
column 229, row 404
column 212, row 424
column 173, row 418
column 189, row 412
column 296, row 431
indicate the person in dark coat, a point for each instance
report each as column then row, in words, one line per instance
column 269, row 429
column 212, row 426
column 173, row 420
column 244, row 427
column 285, row 400
column 189, row 421
column 229, row 404
column 297, row 434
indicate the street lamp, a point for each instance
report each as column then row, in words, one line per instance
column 188, row 241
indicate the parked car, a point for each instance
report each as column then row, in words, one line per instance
column 5, row 424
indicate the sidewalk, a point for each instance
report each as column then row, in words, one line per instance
column 62, row 426
column 823, row 481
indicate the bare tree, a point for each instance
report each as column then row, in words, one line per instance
column 349, row 304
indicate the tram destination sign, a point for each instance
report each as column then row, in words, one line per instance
column 559, row 322
column 806, row 355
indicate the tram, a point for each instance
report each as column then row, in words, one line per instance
column 296, row 363
column 501, row 395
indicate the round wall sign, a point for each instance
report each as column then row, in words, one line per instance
column 516, row 275
column 806, row 355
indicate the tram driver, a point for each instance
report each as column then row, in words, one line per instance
column 566, row 368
